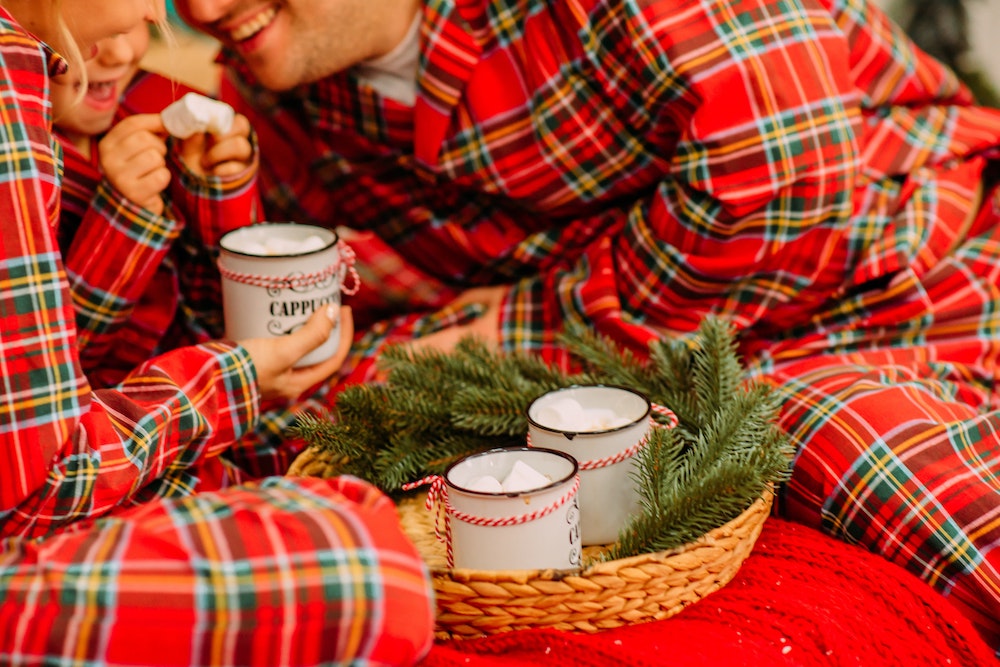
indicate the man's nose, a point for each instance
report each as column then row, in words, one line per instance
column 199, row 13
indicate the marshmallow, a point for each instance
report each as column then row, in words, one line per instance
column 603, row 419
column 566, row 414
column 195, row 113
column 523, row 477
column 485, row 484
column 311, row 243
column 563, row 414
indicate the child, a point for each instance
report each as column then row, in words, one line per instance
column 142, row 212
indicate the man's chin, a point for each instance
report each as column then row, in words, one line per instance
column 266, row 74
column 277, row 82
column 280, row 80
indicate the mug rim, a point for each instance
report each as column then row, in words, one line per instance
column 326, row 246
column 511, row 494
column 573, row 434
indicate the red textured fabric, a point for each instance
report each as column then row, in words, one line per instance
column 801, row 599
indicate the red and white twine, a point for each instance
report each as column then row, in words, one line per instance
column 437, row 499
column 628, row 452
column 347, row 257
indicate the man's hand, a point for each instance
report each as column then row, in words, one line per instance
column 486, row 327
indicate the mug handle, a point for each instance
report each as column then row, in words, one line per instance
column 347, row 259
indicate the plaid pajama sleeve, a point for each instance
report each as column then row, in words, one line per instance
column 112, row 256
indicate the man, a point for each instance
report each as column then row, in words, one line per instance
column 799, row 168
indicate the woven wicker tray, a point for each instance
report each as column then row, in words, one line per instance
column 654, row 586
column 473, row 603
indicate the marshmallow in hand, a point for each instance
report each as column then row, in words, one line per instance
column 195, row 113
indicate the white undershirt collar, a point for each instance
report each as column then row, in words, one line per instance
column 394, row 74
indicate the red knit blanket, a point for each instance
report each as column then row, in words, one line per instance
column 801, row 598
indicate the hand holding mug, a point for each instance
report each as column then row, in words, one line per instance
column 275, row 358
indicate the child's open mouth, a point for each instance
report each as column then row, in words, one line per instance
column 101, row 95
column 101, row 91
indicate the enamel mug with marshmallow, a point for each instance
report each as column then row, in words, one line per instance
column 275, row 275
column 602, row 427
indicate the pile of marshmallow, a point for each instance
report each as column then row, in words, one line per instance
column 275, row 246
column 521, row 477
column 566, row 414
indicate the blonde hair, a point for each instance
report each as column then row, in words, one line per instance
column 69, row 49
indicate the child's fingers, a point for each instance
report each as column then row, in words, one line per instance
column 140, row 177
column 240, row 127
column 274, row 358
column 229, row 155
column 228, row 168
column 231, row 147
column 137, row 167
column 140, row 122
column 144, row 188
column 121, row 145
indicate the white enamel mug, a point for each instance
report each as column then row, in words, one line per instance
column 534, row 529
column 276, row 274
column 602, row 427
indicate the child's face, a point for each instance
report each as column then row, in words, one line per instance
column 108, row 73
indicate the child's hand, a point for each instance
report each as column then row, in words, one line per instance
column 133, row 158
column 205, row 153
column 275, row 358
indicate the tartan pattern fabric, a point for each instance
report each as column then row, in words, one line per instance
column 106, row 556
column 279, row 572
column 634, row 166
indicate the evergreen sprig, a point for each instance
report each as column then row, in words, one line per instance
column 435, row 408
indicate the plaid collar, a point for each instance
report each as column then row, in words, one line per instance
column 55, row 64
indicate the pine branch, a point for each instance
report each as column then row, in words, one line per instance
column 672, row 383
column 436, row 408
column 715, row 369
column 606, row 362
column 490, row 411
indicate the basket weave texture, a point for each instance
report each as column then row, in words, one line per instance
column 604, row 595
